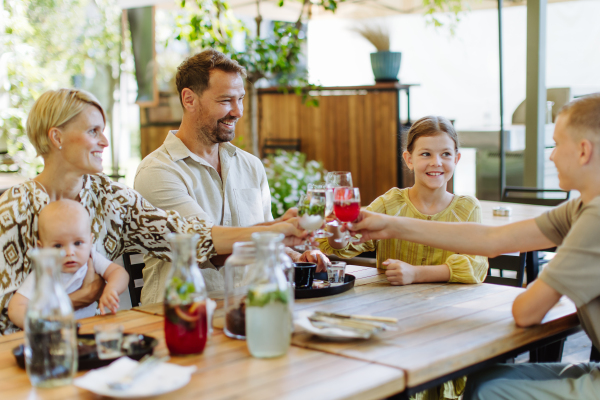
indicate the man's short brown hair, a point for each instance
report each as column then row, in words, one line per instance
column 583, row 116
column 194, row 72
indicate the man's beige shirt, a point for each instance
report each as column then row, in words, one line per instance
column 174, row 178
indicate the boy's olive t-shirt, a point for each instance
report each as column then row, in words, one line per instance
column 575, row 270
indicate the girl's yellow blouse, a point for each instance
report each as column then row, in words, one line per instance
column 463, row 268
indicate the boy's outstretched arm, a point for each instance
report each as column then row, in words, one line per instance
column 459, row 237
column 531, row 306
column 17, row 308
column 117, row 280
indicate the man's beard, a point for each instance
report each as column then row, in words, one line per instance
column 215, row 133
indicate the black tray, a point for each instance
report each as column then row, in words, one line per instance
column 89, row 360
column 328, row 291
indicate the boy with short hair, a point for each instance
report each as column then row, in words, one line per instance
column 65, row 225
column 573, row 272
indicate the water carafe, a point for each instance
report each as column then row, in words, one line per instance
column 268, row 327
column 50, row 331
column 238, row 272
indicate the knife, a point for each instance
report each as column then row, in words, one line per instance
column 363, row 317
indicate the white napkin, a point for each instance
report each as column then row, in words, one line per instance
column 302, row 323
column 161, row 378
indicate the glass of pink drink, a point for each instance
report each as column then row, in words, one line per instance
column 346, row 207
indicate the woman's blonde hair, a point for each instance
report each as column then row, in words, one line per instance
column 430, row 125
column 54, row 109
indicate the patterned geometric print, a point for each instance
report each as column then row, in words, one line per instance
column 463, row 268
column 122, row 221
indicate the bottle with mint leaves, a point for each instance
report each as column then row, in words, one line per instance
column 186, row 322
column 268, row 314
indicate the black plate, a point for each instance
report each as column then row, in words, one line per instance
column 328, row 291
column 88, row 357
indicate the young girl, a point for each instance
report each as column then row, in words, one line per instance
column 432, row 154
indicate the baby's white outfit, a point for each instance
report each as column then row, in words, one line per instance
column 72, row 282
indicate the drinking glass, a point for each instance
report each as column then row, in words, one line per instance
column 109, row 339
column 338, row 178
column 346, row 206
column 322, row 194
column 336, row 272
column 311, row 210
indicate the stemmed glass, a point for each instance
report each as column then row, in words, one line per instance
column 338, row 178
column 321, row 192
column 311, row 210
column 346, row 206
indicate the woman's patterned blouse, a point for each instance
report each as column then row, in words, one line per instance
column 122, row 221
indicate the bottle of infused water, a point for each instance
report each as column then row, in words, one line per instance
column 50, row 332
column 268, row 328
column 238, row 273
column 287, row 265
column 186, row 322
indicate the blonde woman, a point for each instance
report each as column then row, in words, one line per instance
column 66, row 127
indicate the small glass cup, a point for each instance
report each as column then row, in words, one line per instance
column 336, row 272
column 109, row 339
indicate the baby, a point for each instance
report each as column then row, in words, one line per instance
column 65, row 225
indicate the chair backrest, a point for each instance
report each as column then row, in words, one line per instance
column 526, row 195
column 271, row 146
column 134, row 264
column 559, row 96
column 503, row 263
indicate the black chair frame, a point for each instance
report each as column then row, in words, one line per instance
column 136, row 278
column 533, row 200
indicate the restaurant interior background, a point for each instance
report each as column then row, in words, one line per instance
column 457, row 76
column 456, row 73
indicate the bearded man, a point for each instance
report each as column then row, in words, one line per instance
column 197, row 172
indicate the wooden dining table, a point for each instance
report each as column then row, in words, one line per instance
column 444, row 331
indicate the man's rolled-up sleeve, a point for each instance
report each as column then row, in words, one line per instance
column 575, row 270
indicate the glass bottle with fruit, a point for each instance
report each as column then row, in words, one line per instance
column 268, row 328
column 237, row 269
column 186, row 322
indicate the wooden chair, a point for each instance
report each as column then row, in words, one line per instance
column 504, row 263
column 515, row 194
column 271, row 146
column 134, row 264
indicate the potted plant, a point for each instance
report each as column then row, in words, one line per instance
column 385, row 63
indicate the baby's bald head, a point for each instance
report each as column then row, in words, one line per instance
column 62, row 214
